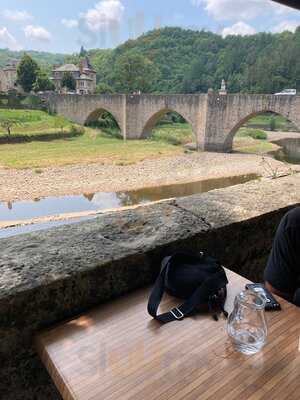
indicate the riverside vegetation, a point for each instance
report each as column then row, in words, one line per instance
column 103, row 144
column 100, row 145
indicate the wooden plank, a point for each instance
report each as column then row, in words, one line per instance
column 118, row 352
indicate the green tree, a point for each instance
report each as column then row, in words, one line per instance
column 82, row 52
column 104, row 88
column 8, row 124
column 27, row 72
column 199, row 78
column 133, row 72
column 272, row 123
column 43, row 82
column 68, row 81
column 192, row 61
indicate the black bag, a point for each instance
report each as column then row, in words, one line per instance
column 198, row 279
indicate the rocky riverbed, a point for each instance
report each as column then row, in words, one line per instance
column 81, row 178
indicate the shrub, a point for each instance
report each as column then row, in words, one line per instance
column 105, row 121
column 77, row 130
column 173, row 140
column 254, row 133
column 272, row 124
column 32, row 101
column 112, row 133
column 257, row 134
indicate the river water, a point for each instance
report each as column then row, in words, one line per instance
column 289, row 151
column 22, row 210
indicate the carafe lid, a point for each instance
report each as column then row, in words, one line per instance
column 252, row 299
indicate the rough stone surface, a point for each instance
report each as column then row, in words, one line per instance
column 238, row 203
column 214, row 119
column 52, row 275
column 244, row 219
column 226, row 114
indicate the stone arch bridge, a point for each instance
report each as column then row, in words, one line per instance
column 214, row 118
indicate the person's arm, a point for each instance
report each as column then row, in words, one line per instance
column 286, row 296
column 282, row 272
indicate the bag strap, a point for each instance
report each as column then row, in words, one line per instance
column 200, row 295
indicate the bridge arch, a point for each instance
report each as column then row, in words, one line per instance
column 153, row 119
column 228, row 143
column 94, row 116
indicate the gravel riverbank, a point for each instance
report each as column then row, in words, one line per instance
column 77, row 179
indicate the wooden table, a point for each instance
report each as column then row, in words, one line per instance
column 118, row 352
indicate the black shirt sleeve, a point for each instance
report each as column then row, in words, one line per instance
column 283, row 267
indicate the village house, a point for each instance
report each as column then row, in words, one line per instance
column 8, row 76
column 83, row 74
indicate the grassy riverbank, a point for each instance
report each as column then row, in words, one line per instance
column 270, row 122
column 103, row 146
column 92, row 147
column 33, row 122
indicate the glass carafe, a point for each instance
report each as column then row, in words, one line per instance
column 247, row 327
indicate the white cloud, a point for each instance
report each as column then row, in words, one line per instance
column 241, row 9
column 240, row 28
column 8, row 40
column 36, row 32
column 16, row 15
column 105, row 14
column 69, row 23
column 286, row 26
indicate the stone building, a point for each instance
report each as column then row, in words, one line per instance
column 8, row 76
column 84, row 75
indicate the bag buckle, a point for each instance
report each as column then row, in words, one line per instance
column 177, row 314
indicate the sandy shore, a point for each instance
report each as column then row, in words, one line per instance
column 77, row 179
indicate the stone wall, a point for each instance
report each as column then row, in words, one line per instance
column 49, row 276
column 83, row 109
column 8, row 78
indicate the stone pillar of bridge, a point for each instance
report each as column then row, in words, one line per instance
column 216, row 120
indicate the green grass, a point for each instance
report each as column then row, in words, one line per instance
column 176, row 134
column 33, row 122
column 255, row 147
column 264, row 121
column 104, row 145
column 88, row 148
column 96, row 145
column 254, row 141
column 253, row 133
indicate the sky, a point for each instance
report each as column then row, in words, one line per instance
column 62, row 26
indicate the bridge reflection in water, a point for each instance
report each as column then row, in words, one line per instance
column 38, row 208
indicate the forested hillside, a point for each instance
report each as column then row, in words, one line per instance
column 189, row 61
column 44, row 59
column 171, row 60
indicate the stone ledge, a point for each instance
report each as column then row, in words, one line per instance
column 243, row 202
column 52, row 275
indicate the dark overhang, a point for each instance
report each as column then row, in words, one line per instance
column 290, row 3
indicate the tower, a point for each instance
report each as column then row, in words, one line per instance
column 223, row 90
